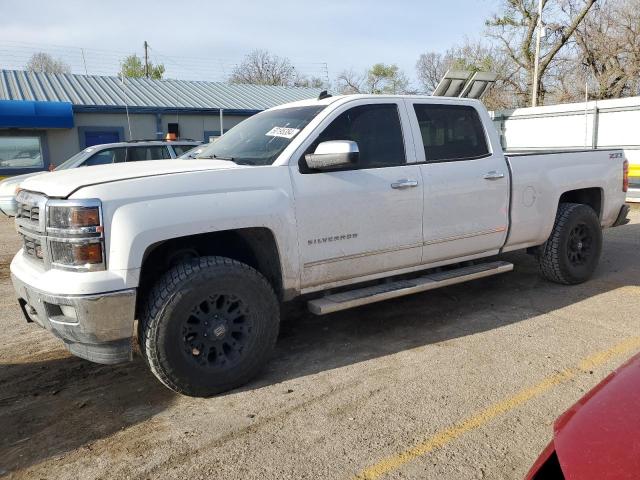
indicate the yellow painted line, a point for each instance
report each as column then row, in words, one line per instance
column 448, row 435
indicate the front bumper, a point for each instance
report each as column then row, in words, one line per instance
column 8, row 205
column 97, row 327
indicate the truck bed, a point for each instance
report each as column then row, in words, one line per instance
column 536, row 179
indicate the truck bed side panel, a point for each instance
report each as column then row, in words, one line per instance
column 540, row 179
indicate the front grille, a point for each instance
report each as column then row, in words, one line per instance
column 30, row 212
column 29, row 205
column 29, row 224
column 32, row 247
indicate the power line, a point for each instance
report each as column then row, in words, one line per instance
column 93, row 61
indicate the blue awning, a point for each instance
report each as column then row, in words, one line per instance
column 29, row 114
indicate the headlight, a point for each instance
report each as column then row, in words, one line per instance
column 74, row 217
column 75, row 234
column 84, row 254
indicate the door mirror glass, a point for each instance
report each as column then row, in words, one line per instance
column 333, row 154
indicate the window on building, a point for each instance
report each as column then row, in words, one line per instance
column 377, row 131
column 211, row 135
column 152, row 152
column 20, row 152
column 451, row 132
column 174, row 128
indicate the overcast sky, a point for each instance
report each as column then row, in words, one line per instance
column 343, row 34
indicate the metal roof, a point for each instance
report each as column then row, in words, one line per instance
column 100, row 91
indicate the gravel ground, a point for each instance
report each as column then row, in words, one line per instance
column 345, row 393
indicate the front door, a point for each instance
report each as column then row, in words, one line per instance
column 466, row 196
column 366, row 219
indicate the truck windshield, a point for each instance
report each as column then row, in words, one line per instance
column 71, row 162
column 259, row 140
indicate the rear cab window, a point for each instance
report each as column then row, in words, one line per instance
column 451, row 132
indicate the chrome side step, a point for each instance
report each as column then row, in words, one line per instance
column 377, row 293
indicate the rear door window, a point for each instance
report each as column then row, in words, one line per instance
column 451, row 132
column 149, row 152
column 103, row 157
column 182, row 149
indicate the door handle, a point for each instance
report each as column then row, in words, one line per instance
column 404, row 183
column 493, row 175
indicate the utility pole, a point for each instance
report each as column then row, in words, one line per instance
column 146, row 59
column 536, row 64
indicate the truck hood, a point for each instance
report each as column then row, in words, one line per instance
column 63, row 183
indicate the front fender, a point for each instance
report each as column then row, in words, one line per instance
column 136, row 226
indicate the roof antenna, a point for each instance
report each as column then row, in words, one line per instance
column 323, row 94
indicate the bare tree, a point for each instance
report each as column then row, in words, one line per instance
column 261, row 67
column 515, row 30
column 44, row 63
column 608, row 47
column 431, row 67
column 379, row 78
column 309, row 82
column 349, row 82
column 475, row 57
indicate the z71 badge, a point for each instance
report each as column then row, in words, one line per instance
column 335, row 238
column 616, row 155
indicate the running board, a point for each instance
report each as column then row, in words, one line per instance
column 377, row 293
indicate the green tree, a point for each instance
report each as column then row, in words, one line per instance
column 133, row 67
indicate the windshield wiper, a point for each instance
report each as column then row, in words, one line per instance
column 217, row 157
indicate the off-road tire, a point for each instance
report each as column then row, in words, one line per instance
column 559, row 258
column 167, row 318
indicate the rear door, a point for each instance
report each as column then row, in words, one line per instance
column 365, row 219
column 466, row 192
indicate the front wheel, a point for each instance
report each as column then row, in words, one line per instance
column 209, row 325
column 572, row 252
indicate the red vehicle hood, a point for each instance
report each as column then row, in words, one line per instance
column 599, row 437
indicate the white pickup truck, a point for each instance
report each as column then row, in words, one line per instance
column 346, row 200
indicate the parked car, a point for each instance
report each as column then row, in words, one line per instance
column 312, row 198
column 131, row 151
column 597, row 438
column 634, row 182
column 194, row 152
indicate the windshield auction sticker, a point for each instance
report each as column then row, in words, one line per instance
column 283, row 132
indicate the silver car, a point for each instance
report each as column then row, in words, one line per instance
column 133, row 151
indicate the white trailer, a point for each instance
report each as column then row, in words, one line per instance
column 602, row 124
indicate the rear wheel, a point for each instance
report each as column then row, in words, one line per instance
column 572, row 252
column 209, row 325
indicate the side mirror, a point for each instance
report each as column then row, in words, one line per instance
column 333, row 154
